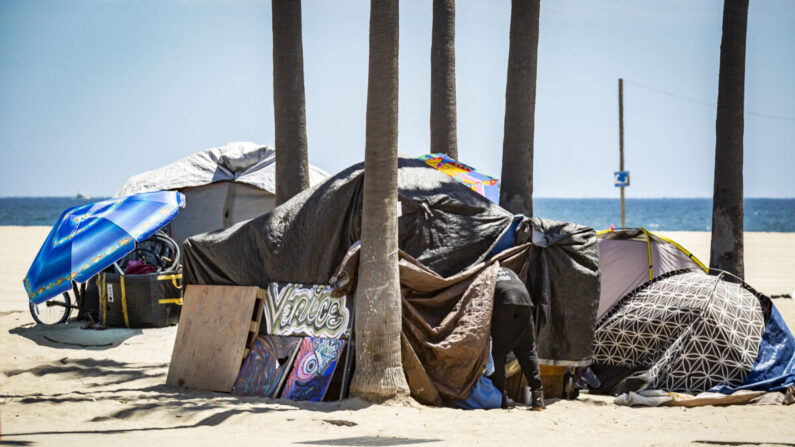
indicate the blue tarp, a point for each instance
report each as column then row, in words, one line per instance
column 508, row 239
column 484, row 395
column 774, row 369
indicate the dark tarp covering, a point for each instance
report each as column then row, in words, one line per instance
column 444, row 225
column 447, row 320
column 446, row 232
column 563, row 279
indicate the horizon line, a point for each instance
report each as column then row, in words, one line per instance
column 89, row 197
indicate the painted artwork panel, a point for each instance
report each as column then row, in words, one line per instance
column 305, row 310
column 313, row 368
column 266, row 366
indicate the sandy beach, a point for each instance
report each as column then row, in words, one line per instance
column 54, row 392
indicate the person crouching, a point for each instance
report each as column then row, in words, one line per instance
column 513, row 330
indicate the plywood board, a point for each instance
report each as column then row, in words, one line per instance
column 216, row 327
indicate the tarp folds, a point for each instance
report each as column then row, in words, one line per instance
column 242, row 162
column 444, row 225
column 774, row 369
column 222, row 186
column 447, row 320
column 446, row 236
column 563, row 279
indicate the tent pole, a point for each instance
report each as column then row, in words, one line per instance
column 621, row 145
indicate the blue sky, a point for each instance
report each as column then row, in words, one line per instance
column 95, row 91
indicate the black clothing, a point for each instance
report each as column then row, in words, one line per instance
column 510, row 289
column 513, row 329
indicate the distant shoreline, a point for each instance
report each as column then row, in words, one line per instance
column 656, row 214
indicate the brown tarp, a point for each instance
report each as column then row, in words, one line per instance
column 446, row 322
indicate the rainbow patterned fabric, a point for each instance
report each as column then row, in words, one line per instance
column 88, row 238
column 488, row 187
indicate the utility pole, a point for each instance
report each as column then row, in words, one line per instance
column 621, row 149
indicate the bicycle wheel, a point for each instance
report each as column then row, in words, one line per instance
column 53, row 311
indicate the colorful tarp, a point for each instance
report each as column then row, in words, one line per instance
column 88, row 238
column 488, row 187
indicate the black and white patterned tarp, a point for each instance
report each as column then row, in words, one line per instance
column 689, row 331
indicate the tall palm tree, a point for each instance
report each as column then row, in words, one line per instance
column 292, row 168
column 726, row 252
column 443, row 116
column 379, row 372
column 516, row 194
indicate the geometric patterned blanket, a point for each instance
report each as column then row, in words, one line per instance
column 689, row 331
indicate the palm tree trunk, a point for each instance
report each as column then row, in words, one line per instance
column 379, row 372
column 726, row 252
column 443, row 114
column 292, row 168
column 516, row 194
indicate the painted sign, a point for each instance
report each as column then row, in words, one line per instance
column 313, row 368
column 266, row 366
column 306, row 310
column 621, row 179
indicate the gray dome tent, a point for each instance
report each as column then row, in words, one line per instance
column 222, row 186
column 631, row 257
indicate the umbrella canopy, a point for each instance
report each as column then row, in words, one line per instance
column 88, row 238
column 488, row 187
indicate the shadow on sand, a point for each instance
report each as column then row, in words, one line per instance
column 70, row 335
column 183, row 403
column 159, row 401
column 116, row 372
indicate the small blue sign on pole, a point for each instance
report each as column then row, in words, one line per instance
column 621, row 179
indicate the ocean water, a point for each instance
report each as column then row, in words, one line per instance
column 776, row 215
column 37, row 210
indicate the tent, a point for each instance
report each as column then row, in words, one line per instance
column 447, row 233
column 222, row 186
column 630, row 257
column 690, row 332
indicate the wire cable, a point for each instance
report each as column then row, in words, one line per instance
column 696, row 101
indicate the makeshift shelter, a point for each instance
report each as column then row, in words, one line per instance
column 630, row 257
column 446, row 233
column 222, row 186
column 690, row 332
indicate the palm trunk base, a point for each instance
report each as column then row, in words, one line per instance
column 379, row 388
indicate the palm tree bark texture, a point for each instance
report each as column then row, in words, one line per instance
column 379, row 372
column 443, row 114
column 726, row 252
column 516, row 193
column 292, row 168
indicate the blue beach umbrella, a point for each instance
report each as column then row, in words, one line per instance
column 88, row 238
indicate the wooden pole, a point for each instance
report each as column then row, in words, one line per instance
column 621, row 145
